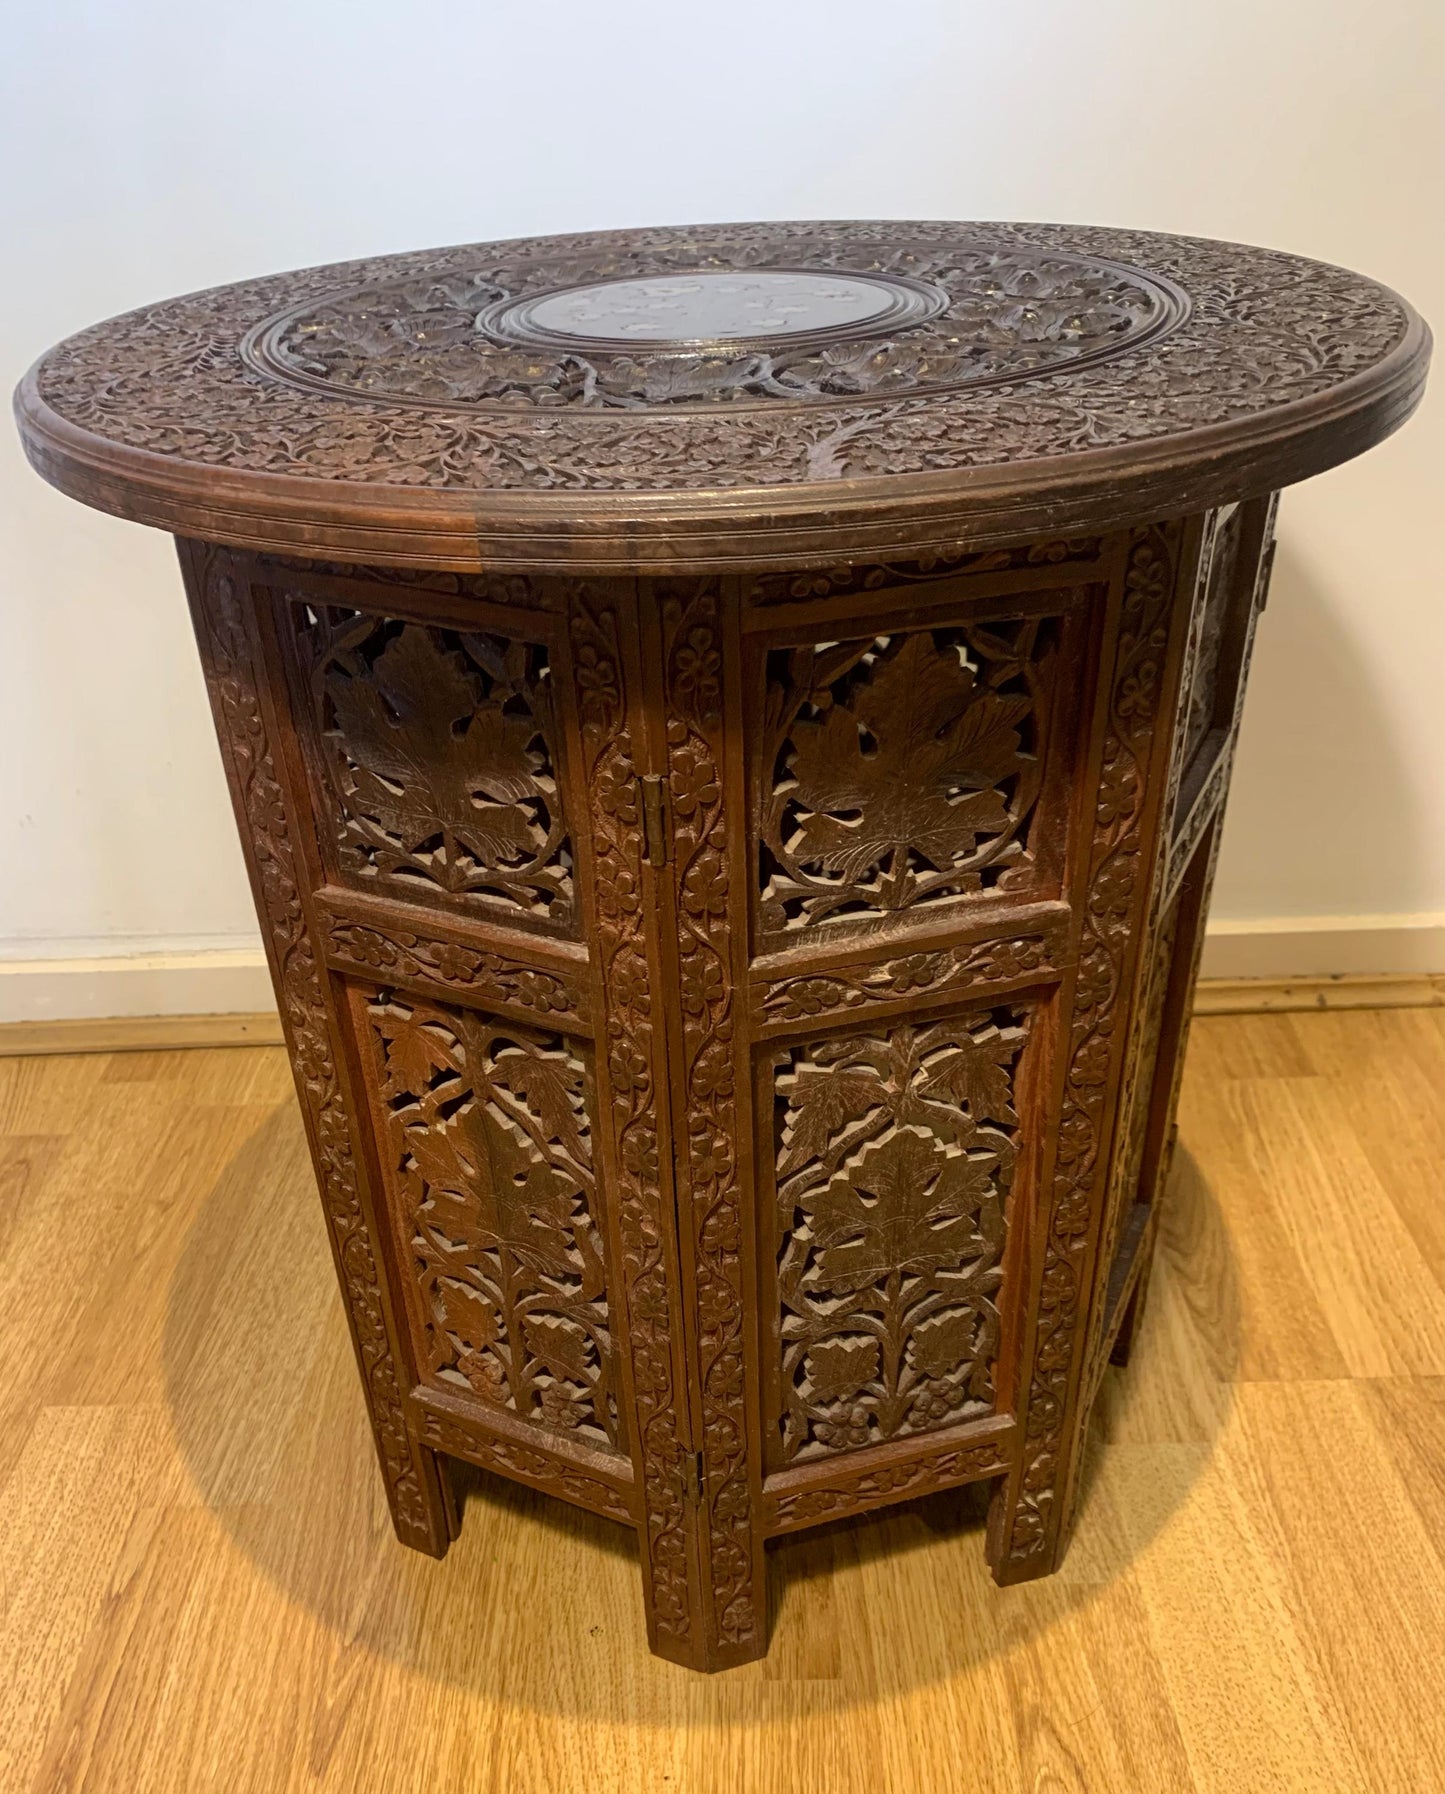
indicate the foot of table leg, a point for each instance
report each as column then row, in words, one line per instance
column 706, row 1596
column 424, row 1511
column 1031, row 1515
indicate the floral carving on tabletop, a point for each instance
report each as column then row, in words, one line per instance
column 1263, row 330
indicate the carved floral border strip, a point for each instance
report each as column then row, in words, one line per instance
column 510, row 1457
column 965, row 968
column 476, row 973
column 692, row 677
column 788, row 1509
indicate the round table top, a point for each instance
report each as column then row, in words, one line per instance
column 725, row 396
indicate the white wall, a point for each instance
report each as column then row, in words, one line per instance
column 159, row 146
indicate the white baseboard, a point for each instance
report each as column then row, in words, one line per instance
column 1325, row 946
column 235, row 981
column 215, row 981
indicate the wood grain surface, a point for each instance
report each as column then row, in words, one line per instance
column 199, row 1587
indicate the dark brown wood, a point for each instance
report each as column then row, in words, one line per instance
column 736, row 984
column 1076, row 380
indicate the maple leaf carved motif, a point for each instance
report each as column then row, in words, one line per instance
column 946, row 1341
column 562, row 1345
column 428, row 752
column 530, row 1201
column 908, row 1203
column 838, row 1368
column 911, row 762
column 823, row 1100
column 976, row 1074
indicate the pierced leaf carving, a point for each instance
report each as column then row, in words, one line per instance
column 438, row 764
column 903, row 768
column 896, row 1155
column 903, row 1204
column 838, row 1368
column 491, row 1183
column 977, row 1075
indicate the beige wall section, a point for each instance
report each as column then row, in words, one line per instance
column 159, row 148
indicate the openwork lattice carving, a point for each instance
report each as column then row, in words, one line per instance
column 490, row 1169
column 896, row 1153
column 901, row 769
column 436, row 749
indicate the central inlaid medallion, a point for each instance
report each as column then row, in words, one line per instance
column 713, row 306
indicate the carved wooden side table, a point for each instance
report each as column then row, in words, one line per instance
column 729, row 729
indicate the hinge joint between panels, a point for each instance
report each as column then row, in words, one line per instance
column 653, row 788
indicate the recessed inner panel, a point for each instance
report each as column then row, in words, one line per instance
column 708, row 306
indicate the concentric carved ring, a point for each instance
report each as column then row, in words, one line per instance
column 645, row 335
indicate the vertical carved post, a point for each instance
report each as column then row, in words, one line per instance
column 705, row 902
column 271, row 823
column 637, row 1140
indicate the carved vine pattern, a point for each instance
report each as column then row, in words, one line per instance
column 873, row 576
column 819, row 994
column 1109, row 909
column 509, row 1457
column 440, row 771
column 896, row 1153
column 1008, row 311
column 484, row 977
column 693, row 693
column 631, row 1047
column 232, row 677
column 886, row 1483
column 901, row 769
column 1267, row 329
column 515, row 591
column 488, row 1138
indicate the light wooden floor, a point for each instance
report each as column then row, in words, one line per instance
column 199, row 1590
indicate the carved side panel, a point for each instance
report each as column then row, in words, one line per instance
column 901, row 771
column 896, row 1152
column 1114, row 883
column 435, row 763
column 270, row 826
column 486, row 1137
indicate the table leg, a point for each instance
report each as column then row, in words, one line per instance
column 271, row 825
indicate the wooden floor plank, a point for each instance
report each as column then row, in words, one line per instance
column 199, row 1589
